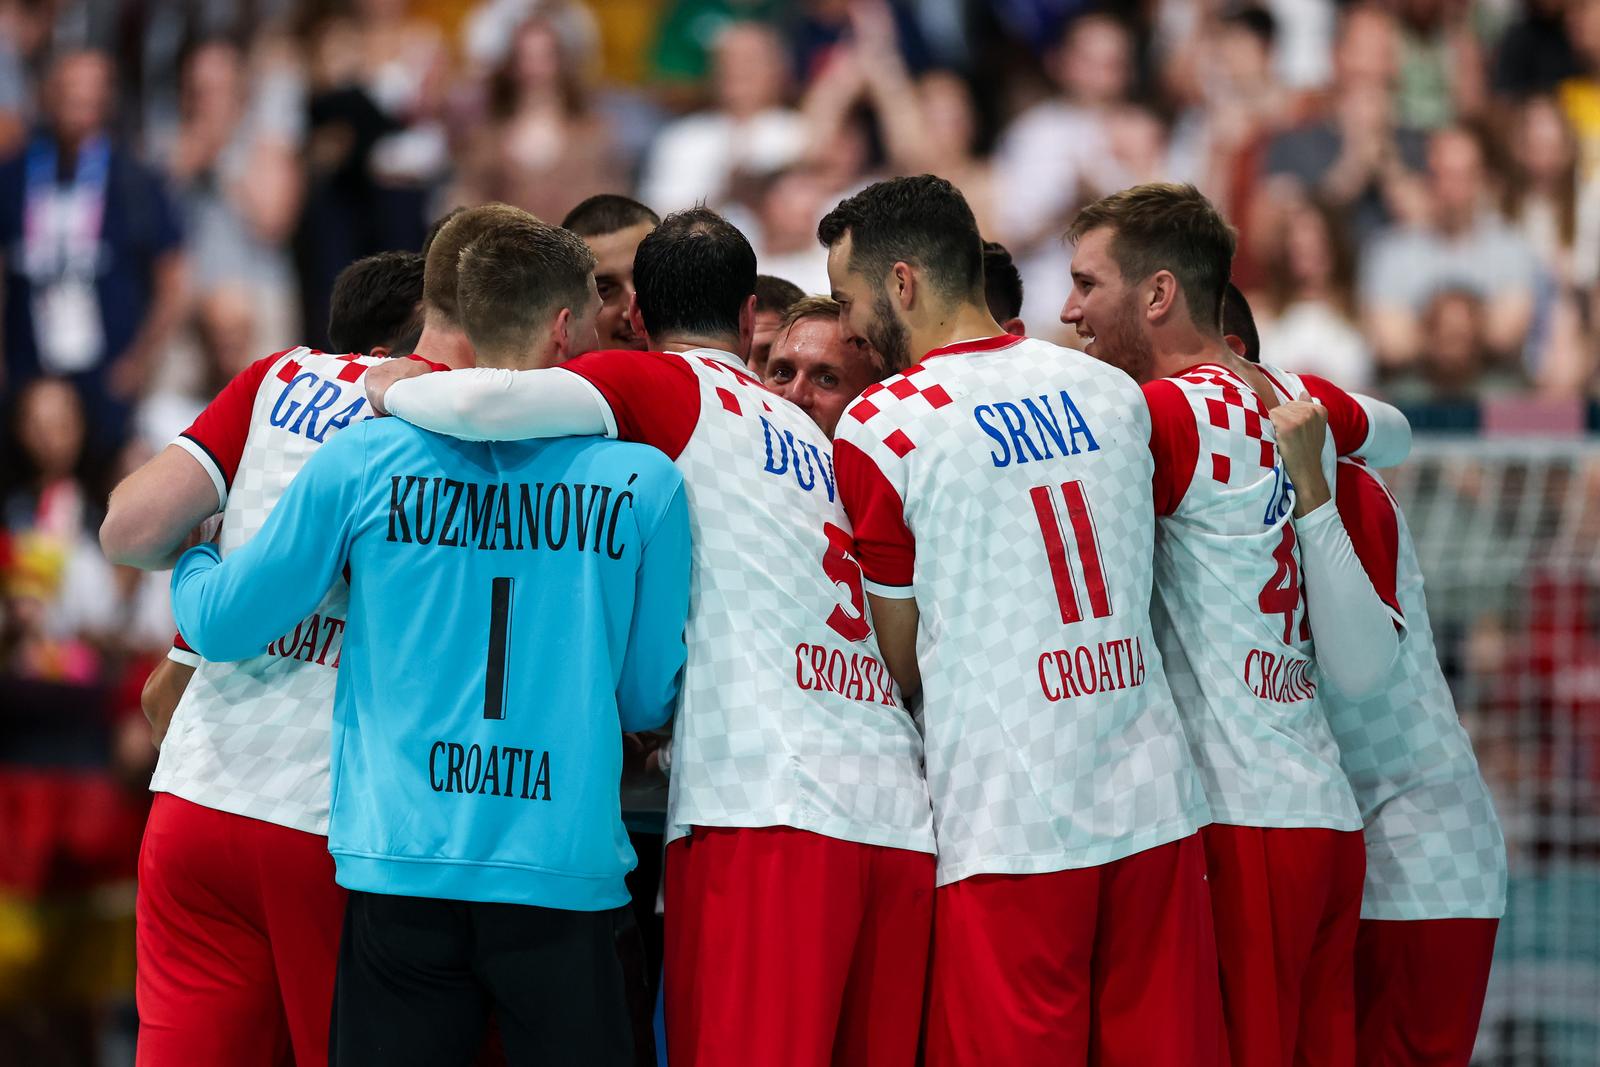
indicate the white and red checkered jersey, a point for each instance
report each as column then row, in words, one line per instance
column 1006, row 485
column 252, row 737
column 1229, row 607
column 1434, row 845
column 787, row 716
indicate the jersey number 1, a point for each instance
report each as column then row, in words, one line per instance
column 1076, row 507
column 494, row 687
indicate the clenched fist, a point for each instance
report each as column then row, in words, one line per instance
column 382, row 375
column 1300, row 427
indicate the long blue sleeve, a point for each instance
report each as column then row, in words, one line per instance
column 652, row 667
column 229, row 609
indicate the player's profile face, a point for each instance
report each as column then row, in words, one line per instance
column 1102, row 307
column 866, row 315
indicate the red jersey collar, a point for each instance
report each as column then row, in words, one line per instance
column 982, row 344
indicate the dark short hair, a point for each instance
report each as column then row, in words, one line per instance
column 1240, row 321
column 1002, row 282
column 515, row 276
column 923, row 221
column 607, row 213
column 376, row 302
column 775, row 294
column 444, row 255
column 1162, row 226
column 693, row 274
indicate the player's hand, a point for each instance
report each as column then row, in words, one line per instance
column 380, row 376
column 1300, row 427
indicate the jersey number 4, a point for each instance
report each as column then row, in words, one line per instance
column 1075, row 506
column 1281, row 595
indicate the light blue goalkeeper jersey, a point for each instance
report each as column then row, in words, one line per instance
column 514, row 607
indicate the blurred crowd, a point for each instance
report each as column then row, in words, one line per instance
column 1416, row 184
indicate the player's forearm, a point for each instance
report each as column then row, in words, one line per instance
column 895, row 622
column 490, row 404
column 160, row 696
column 1388, row 440
column 1356, row 641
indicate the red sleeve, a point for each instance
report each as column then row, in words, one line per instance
column 884, row 544
column 179, row 643
column 1368, row 515
column 1347, row 419
column 654, row 397
column 1174, row 442
column 217, row 435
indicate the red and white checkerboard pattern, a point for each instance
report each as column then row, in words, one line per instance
column 1021, row 783
column 1265, row 762
column 252, row 737
column 751, row 747
column 1236, row 410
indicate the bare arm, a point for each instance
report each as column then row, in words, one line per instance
column 154, row 510
column 896, row 623
column 162, row 691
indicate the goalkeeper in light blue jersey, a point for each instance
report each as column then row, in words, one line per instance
column 514, row 608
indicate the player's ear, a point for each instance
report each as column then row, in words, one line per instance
column 379, row 351
column 561, row 334
column 1014, row 327
column 903, row 284
column 747, row 328
column 1162, row 294
column 1235, row 343
column 635, row 319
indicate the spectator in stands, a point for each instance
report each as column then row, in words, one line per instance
column 814, row 367
column 1463, row 242
column 1580, row 93
column 1309, row 323
column 689, row 30
column 1556, row 211
column 544, row 144
column 94, row 278
column 1442, row 76
column 1053, row 156
column 774, row 298
column 1534, row 53
column 612, row 226
column 1456, row 365
column 235, row 167
column 792, row 204
column 748, row 132
column 1002, row 288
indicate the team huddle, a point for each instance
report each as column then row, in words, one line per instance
column 997, row 703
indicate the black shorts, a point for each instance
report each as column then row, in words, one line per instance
column 419, row 977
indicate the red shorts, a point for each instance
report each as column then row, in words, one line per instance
column 788, row 947
column 1287, row 903
column 238, row 938
column 1419, row 990
column 1106, row 965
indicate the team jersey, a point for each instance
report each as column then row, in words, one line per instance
column 1434, row 845
column 1229, row 608
column 251, row 737
column 788, row 717
column 513, row 607
column 1005, row 484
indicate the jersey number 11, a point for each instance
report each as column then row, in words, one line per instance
column 1075, row 505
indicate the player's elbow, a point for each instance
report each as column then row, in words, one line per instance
column 131, row 540
column 1360, row 677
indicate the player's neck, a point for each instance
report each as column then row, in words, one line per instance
column 1185, row 349
column 674, row 342
column 961, row 322
column 444, row 345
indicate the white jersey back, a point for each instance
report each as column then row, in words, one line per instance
column 787, row 717
column 1006, row 485
column 252, row 737
column 1230, row 611
column 1434, row 845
